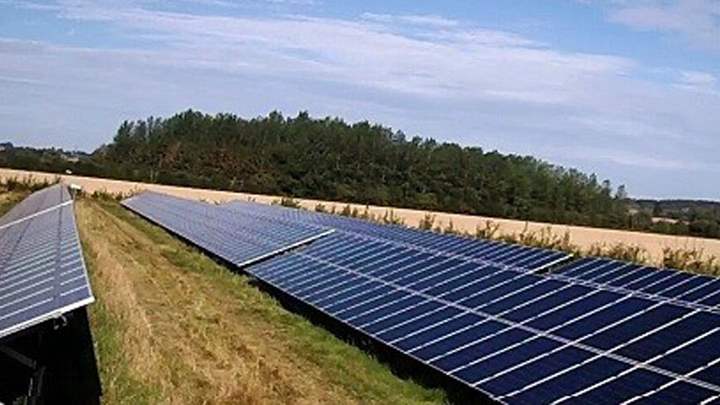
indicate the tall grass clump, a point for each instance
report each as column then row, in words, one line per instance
column 449, row 229
column 620, row 251
column 690, row 259
column 349, row 211
column 367, row 215
column 489, row 230
column 286, row 202
column 390, row 218
column 27, row 183
column 427, row 222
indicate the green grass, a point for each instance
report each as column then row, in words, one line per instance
column 107, row 329
column 345, row 365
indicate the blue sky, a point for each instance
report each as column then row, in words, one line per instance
column 629, row 90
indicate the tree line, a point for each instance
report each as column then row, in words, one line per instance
column 361, row 162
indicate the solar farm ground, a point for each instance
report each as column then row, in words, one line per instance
column 172, row 326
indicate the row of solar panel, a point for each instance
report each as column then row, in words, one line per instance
column 240, row 241
column 691, row 290
column 42, row 273
column 35, row 203
column 497, row 253
column 515, row 336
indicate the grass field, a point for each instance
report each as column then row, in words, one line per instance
column 586, row 239
column 172, row 326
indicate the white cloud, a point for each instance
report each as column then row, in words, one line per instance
column 697, row 21
column 698, row 78
column 457, row 82
column 423, row 20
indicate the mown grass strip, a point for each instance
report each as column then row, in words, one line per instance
column 108, row 329
column 328, row 369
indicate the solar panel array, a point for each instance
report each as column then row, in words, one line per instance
column 42, row 272
column 497, row 326
column 241, row 240
column 491, row 252
column 692, row 290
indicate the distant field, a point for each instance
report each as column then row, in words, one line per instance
column 584, row 237
column 173, row 327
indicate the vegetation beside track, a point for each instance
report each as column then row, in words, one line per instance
column 173, row 326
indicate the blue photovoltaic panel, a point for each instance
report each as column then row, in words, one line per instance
column 516, row 336
column 37, row 203
column 239, row 239
column 693, row 290
column 42, row 272
column 496, row 253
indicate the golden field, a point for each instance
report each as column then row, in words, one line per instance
column 583, row 237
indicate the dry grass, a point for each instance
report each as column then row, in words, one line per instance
column 174, row 327
column 8, row 199
column 694, row 260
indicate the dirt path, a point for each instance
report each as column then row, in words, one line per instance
column 583, row 237
column 174, row 327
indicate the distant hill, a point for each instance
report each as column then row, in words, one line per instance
column 361, row 162
column 678, row 207
column 694, row 217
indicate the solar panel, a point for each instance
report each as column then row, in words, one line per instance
column 496, row 253
column 42, row 271
column 516, row 337
column 37, row 203
column 239, row 239
column 512, row 334
column 692, row 290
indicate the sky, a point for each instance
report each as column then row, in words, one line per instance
column 627, row 89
